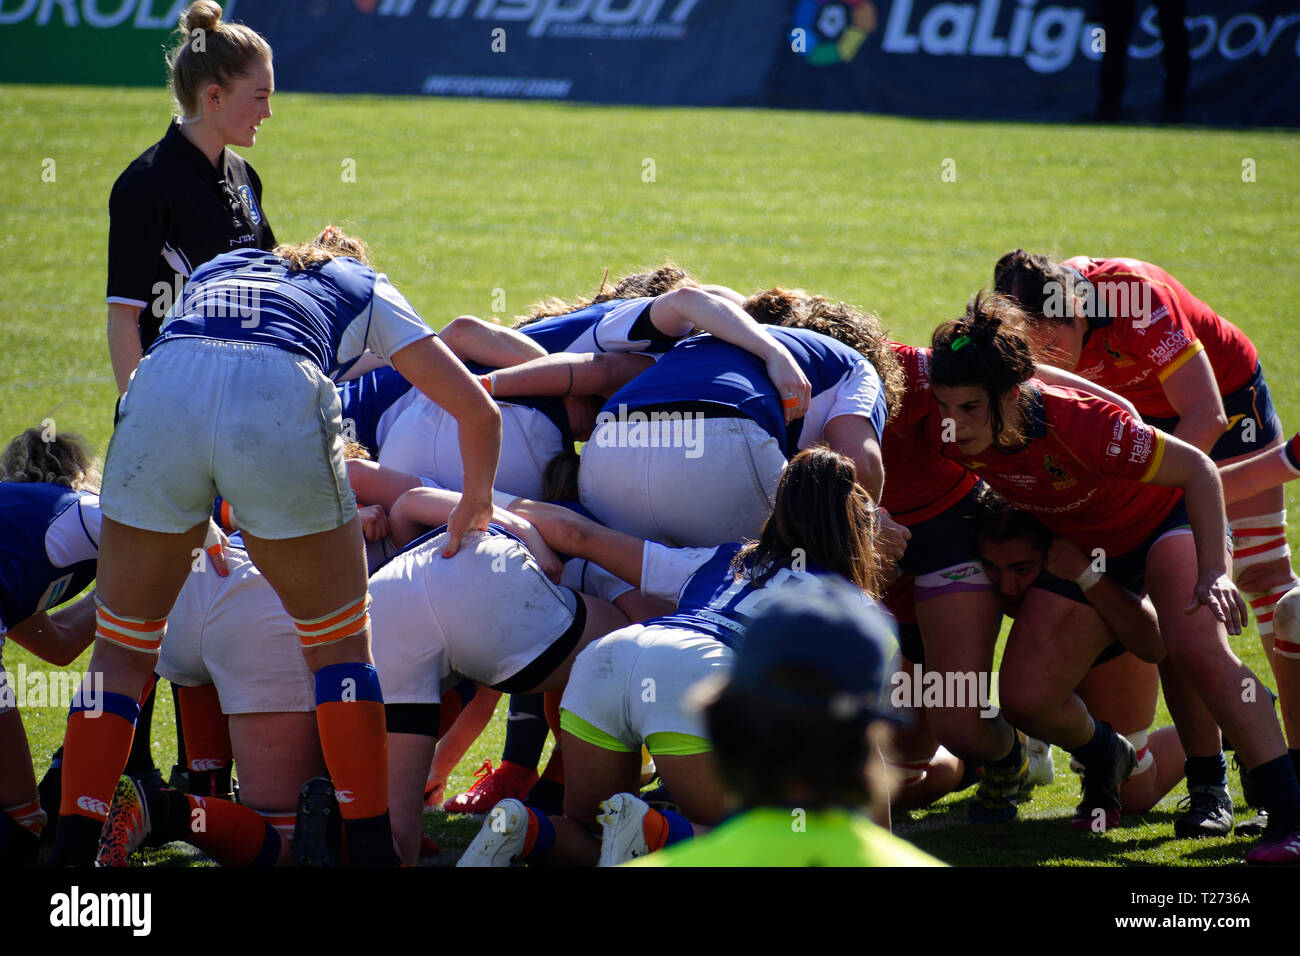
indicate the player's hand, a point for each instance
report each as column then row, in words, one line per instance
column 472, row 514
column 1216, row 591
column 374, row 522
column 792, row 386
column 1064, row 560
column 892, row 537
column 215, row 545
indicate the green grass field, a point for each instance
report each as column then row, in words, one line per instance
column 466, row 202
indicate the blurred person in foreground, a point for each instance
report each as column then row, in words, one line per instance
column 797, row 731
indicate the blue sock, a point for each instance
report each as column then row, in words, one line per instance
column 545, row 840
column 1278, row 790
column 1207, row 771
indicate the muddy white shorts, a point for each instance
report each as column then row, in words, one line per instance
column 489, row 614
column 698, row 483
column 260, row 426
column 425, row 441
column 234, row 632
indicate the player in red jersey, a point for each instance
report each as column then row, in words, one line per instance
column 1134, row 328
column 1103, row 480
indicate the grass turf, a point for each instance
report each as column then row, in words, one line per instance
column 483, row 207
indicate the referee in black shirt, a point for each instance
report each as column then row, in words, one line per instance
column 187, row 198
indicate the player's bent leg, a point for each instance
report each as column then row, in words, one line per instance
column 959, row 631
column 1051, row 647
column 409, row 755
column 140, row 575
column 276, row 753
column 21, row 816
column 333, row 627
column 1198, row 643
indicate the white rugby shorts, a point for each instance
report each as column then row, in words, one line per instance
column 259, row 425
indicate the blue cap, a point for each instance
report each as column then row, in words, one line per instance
column 832, row 632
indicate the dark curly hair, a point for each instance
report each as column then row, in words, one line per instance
column 651, row 283
column 796, row 309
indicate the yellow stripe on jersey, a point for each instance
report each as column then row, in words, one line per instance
column 1192, row 351
column 1156, row 458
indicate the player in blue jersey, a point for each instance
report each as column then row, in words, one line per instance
column 49, row 545
column 237, row 398
column 629, row 688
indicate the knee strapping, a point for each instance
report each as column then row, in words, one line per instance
column 133, row 633
column 910, row 773
column 1258, row 539
column 348, row 621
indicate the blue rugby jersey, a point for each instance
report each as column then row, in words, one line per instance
column 615, row 325
column 711, row 600
column 706, row 369
column 49, row 547
column 372, row 402
column 331, row 313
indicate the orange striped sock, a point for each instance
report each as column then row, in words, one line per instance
column 231, row 834
column 207, row 732
column 95, row 748
column 353, row 737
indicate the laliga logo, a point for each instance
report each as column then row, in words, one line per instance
column 831, row 31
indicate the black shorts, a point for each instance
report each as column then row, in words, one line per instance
column 1252, row 421
column 1128, row 569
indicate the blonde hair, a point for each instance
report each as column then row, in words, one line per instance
column 210, row 52
column 331, row 242
column 59, row 460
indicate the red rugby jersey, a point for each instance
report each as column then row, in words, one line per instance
column 918, row 483
column 1084, row 472
column 1146, row 326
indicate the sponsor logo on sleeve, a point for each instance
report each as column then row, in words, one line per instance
column 1140, row 452
column 1173, row 342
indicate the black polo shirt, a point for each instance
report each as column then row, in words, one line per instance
column 170, row 212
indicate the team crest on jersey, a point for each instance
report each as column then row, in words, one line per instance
column 1060, row 478
column 250, row 203
column 1121, row 359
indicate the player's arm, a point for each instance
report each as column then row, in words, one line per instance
column 683, row 311
column 1194, row 394
column 726, row 292
column 420, row 509
column 58, row 638
column 571, row 533
column 1270, row 468
column 564, row 373
column 474, row 340
column 856, row 438
column 124, row 351
column 1059, row 376
column 373, row 484
column 1180, row 465
column 429, row 366
column 1130, row 618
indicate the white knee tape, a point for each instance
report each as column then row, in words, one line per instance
column 1257, row 539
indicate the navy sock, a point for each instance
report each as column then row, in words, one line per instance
column 545, row 839
column 140, row 760
column 526, row 730
column 1098, row 749
column 1012, row 759
column 1278, row 790
column 1206, row 771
